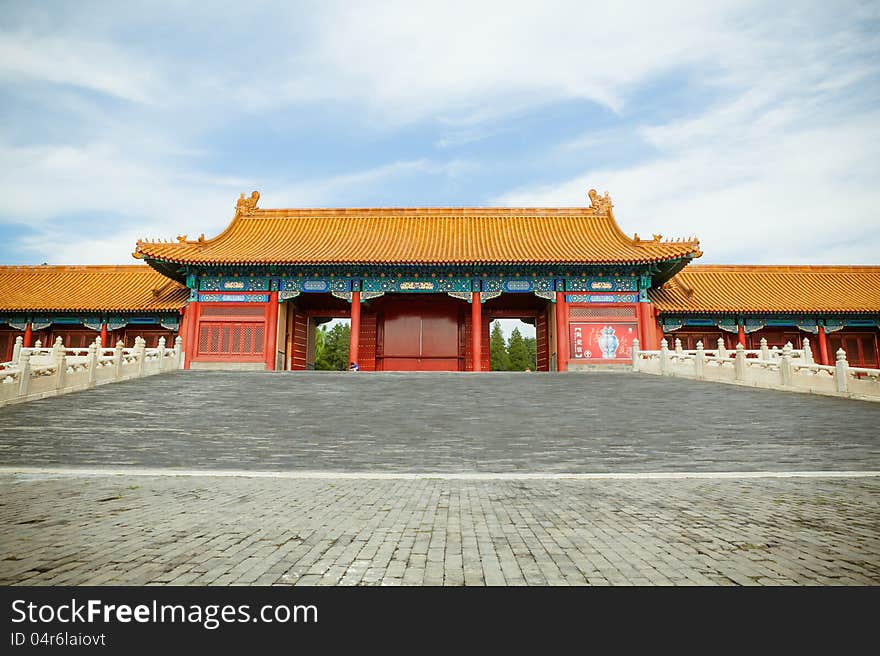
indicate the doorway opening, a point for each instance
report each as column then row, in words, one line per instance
column 513, row 344
column 330, row 343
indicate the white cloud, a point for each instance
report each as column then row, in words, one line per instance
column 781, row 169
column 405, row 61
column 806, row 195
column 90, row 204
column 94, row 65
column 132, row 199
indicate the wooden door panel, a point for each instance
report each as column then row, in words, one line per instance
column 401, row 335
column 419, row 335
column 439, row 336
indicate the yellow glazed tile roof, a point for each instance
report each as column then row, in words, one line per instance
column 466, row 235
column 115, row 288
column 791, row 289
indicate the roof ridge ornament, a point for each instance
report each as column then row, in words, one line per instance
column 245, row 206
column 600, row 203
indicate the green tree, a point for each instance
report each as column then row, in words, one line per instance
column 532, row 351
column 517, row 352
column 498, row 358
column 331, row 348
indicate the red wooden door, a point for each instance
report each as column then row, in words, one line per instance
column 860, row 348
column 420, row 336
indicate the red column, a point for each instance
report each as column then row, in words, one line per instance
column 28, row 340
column 354, row 337
column 271, row 331
column 652, row 314
column 104, row 343
column 561, row 332
column 190, row 339
column 646, row 336
column 741, row 335
column 650, row 331
column 476, row 330
column 823, row 347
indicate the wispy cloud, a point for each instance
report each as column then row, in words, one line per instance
column 750, row 123
column 69, row 60
column 778, row 169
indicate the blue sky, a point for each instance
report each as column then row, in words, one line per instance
column 755, row 126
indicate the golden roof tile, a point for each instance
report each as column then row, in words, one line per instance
column 771, row 289
column 423, row 235
column 111, row 288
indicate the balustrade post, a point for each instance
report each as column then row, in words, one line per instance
column 178, row 351
column 841, row 371
column 140, row 354
column 57, row 347
column 93, row 363
column 678, row 349
column 117, row 359
column 739, row 363
column 38, row 344
column 635, row 354
column 808, row 352
column 765, row 352
column 24, row 366
column 722, row 351
column 16, row 351
column 60, row 361
column 161, row 351
column 699, row 360
column 664, row 357
column 785, row 364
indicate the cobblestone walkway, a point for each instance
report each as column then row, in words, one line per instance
column 598, row 422
column 228, row 530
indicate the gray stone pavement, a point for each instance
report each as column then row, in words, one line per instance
column 312, row 523
column 503, row 422
column 191, row 530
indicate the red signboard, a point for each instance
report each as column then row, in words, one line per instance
column 602, row 341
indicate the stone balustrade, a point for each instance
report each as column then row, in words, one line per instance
column 37, row 372
column 784, row 369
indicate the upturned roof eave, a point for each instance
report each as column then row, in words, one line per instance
column 245, row 262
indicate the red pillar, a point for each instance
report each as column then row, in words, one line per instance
column 104, row 335
column 28, row 340
column 476, row 330
column 741, row 335
column 561, row 332
column 354, row 336
column 823, row 347
column 653, row 316
column 271, row 331
column 646, row 335
column 190, row 339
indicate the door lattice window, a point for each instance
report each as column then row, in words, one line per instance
column 230, row 338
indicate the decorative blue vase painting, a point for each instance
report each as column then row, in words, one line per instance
column 608, row 343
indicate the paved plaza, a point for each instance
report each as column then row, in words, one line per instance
column 236, row 530
column 405, row 479
column 436, row 422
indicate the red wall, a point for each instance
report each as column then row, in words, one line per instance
column 229, row 332
column 624, row 317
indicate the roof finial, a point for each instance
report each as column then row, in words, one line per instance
column 599, row 203
column 247, row 206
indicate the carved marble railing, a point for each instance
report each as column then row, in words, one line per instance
column 786, row 369
column 37, row 372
